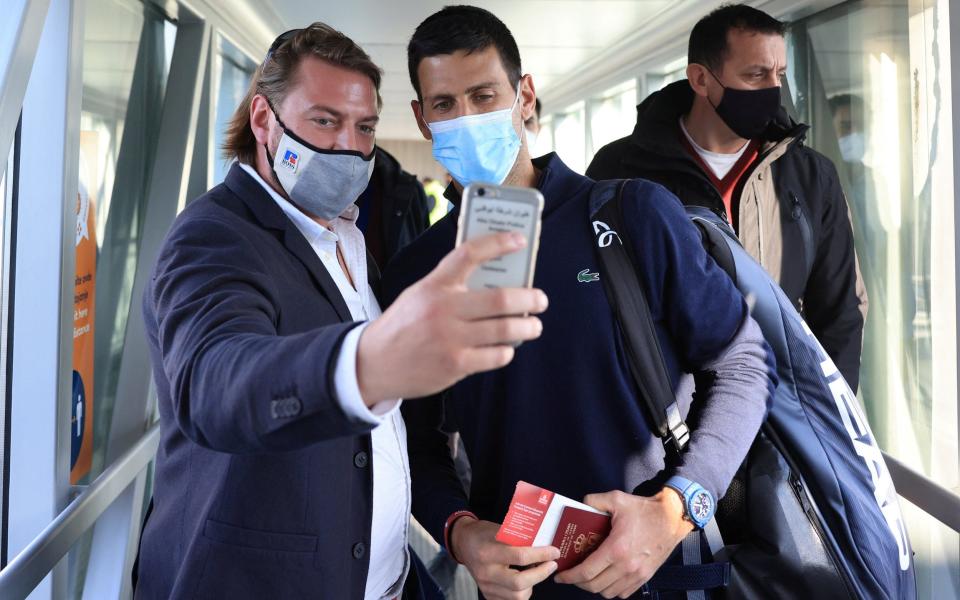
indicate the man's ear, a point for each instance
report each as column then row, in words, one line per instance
column 697, row 75
column 421, row 123
column 260, row 119
column 528, row 98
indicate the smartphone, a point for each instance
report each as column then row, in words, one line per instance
column 486, row 209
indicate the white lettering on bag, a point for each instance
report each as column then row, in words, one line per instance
column 865, row 447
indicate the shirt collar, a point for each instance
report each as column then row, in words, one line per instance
column 703, row 151
column 313, row 231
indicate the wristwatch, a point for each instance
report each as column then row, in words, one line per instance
column 698, row 504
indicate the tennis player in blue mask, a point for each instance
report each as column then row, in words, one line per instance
column 474, row 119
column 563, row 414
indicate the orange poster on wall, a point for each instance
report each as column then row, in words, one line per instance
column 84, row 294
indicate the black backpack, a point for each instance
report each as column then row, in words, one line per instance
column 812, row 512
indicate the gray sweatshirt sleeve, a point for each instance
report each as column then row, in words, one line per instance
column 725, row 417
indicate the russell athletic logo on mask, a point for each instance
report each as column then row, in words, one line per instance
column 290, row 159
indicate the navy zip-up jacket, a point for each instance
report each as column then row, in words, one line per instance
column 565, row 413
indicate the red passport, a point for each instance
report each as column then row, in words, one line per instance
column 539, row 517
column 578, row 534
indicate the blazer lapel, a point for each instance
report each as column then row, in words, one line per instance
column 299, row 247
column 271, row 216
column 373, row 276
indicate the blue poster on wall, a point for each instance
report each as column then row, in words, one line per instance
column 78, row 403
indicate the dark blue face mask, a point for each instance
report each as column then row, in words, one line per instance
column 747, row 112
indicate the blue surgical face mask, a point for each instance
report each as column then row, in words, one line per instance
column 853, row 147
column 477, row 148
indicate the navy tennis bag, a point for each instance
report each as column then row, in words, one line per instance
column 812, row 512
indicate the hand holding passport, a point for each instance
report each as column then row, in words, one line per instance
column 539, row 517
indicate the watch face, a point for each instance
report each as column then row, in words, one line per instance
column 701, row 506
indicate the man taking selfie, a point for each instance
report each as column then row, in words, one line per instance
column 282, row 470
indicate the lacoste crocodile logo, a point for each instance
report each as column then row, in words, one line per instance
column 585, row 276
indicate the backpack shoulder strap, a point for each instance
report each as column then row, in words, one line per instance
column 629, row 303
column 713, row 239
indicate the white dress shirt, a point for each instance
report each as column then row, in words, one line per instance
column 389, row 561
column 719, row 163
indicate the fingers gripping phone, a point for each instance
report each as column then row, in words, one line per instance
column 486, row 209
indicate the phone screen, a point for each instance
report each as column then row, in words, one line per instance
column 485, row 214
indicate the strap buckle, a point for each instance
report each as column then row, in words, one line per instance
column 679, row 433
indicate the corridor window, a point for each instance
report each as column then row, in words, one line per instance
column 544, row 143
column 127, row 53
column 6, row 200
column 613, row 114
column 873, row 81
column 235, row 71
column 569, row 137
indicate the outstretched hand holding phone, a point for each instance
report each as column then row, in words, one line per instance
column 439, row 331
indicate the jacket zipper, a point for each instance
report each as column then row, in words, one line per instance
column 806, row 231
column 756, row 197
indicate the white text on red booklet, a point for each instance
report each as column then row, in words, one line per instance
column 539, row 517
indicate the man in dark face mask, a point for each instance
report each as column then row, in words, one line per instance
column 722, row 140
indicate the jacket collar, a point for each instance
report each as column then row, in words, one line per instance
column 256, row 198
column 557, row 183
column 266, row 211
column 658, row 131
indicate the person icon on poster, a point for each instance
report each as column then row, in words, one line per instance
column 77, row 420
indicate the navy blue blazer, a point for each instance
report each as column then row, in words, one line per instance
column 263, row 484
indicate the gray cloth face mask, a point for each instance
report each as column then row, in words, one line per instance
column 321, row 182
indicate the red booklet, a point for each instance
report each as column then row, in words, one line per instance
column 539, row 517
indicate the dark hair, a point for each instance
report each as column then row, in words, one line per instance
column 538, row 108
column 462, row 28
column 274, row 77
column 708, row 40
column 851, row 101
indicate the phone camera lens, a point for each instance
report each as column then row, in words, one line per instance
column 482, row 192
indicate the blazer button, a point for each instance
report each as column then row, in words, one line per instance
column 360, row 459
column 276, row 409
column 285, row 408
column 295, row 406
column 359, row 550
